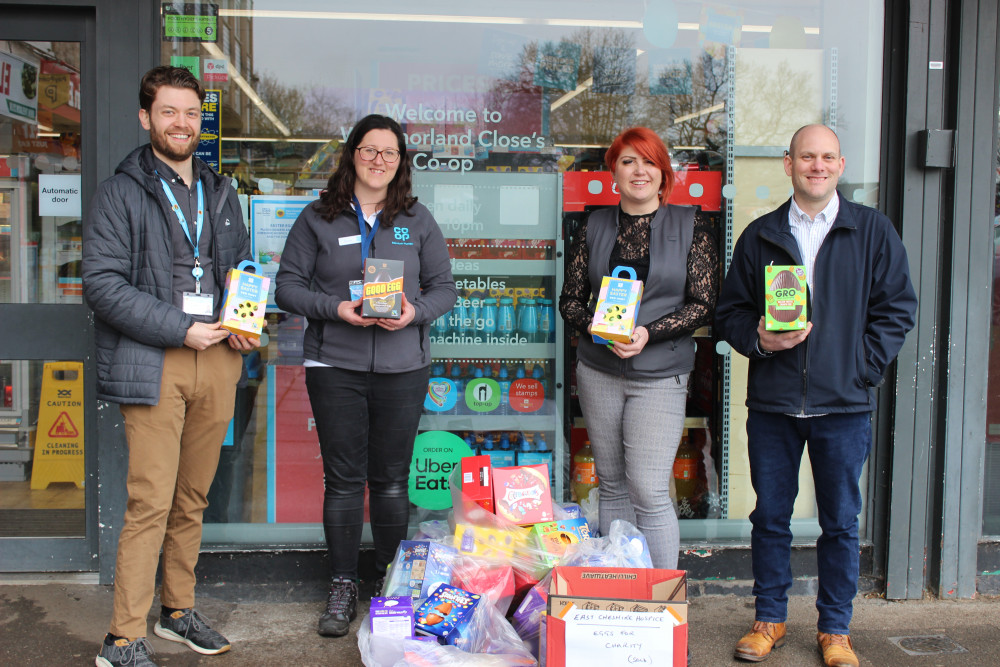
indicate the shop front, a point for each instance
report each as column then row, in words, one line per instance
column 507, row 113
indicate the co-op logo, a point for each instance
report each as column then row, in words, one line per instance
column 402, row 233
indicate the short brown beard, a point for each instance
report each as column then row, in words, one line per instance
column 168, row 151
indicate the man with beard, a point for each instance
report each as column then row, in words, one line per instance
column 159, row 239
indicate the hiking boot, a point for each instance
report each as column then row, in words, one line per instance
column 188, row 627
column 123, row 653
column 341, row 608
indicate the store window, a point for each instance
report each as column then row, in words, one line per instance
column 41, row 403
column 508, row 110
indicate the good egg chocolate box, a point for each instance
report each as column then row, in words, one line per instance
column 785, row 298
column 382, row 294
column 446, row 613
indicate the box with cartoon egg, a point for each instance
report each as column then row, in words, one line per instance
column 617, row 307
column 244, row 300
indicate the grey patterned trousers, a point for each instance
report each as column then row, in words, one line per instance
column 635, row 427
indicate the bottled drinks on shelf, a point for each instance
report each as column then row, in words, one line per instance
column 475, row 314
column 487, row 327
column 527, row 319
column 534, row 453
column 459, row 321
column 505, row 319
column 546, row 321
column 506, row 456
column 486, row 445
column 686, row 477
column 503, row 379
column 583, row 474
column 459, row 381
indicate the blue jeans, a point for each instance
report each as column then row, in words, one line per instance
column 839, row 445
column 366, row 423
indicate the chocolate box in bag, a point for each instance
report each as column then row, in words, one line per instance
column 244, row 300
column 446, row 614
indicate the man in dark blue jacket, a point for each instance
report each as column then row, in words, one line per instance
column 814, row 385
column 158, row 242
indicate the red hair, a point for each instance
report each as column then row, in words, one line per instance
column 650, row 146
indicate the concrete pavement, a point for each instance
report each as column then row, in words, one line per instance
column 57, row 621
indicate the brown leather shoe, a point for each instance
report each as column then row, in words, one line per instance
column 756, row 645
column 837, row 650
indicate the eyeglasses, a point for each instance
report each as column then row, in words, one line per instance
column 368, row 153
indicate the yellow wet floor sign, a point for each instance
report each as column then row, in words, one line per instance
column 59, row 438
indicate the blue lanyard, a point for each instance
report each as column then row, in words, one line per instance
column 197, row 271
column 366, row 236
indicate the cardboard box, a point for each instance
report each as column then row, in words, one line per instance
column 245, row 300
column 392, row 616
column 617, row 307
column 785, row 298
column 521, row 494
column 382, row 294
column 419, row 567
column 613, row 616
column 476, row 484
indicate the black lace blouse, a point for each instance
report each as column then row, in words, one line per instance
column 632, row 249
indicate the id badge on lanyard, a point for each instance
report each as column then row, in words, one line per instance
column 193, row 303
column 366, row 236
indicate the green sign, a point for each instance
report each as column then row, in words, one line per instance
column 435, row 455
column 190, row 63
column 482, row 395
column 191, row 22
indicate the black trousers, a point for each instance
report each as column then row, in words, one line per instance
column 366, row 423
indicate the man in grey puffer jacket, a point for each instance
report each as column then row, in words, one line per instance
column 159, row 240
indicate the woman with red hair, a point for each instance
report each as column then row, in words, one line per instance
column 633, row 395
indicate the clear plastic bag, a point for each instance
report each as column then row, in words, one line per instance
column 624, row 546
column 491, row 642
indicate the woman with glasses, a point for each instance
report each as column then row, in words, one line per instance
column 366, row 377
column 633, row 394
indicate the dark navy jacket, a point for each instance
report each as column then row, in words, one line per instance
column 128, row 272
column 861, row 305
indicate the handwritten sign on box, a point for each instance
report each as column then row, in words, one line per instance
column 600, row 638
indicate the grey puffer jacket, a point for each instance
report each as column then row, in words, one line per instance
column 127, row 279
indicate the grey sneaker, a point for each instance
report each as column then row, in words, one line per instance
column 191, row 628
column 123, row 653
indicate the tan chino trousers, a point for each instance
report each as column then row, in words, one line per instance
column 173, row 455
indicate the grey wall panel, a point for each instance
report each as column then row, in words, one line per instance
column 975, row 70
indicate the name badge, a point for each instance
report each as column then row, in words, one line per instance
column 357, row 289
column 350, row 240
column 199, row 304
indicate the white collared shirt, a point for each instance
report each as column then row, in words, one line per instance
column 809, row 232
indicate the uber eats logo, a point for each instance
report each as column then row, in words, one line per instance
column 435, row 455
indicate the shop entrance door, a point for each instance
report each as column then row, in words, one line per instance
column 48, row 508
